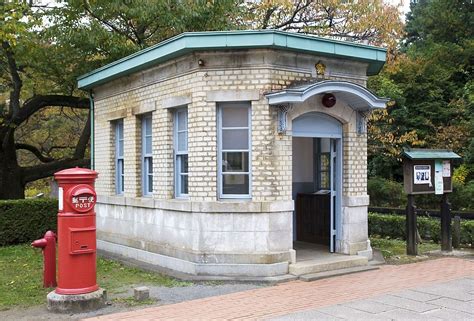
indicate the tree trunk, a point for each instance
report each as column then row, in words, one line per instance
column 12, row 185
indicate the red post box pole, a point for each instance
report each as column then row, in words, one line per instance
column 76, row 231
column 48, row 246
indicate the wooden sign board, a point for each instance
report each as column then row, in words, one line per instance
column 426, row 177
column 428, row 171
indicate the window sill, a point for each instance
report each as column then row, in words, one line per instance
column 186, row 205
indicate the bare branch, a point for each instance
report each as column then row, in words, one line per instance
column 33, row 173
column 50, row 149
column 37, row 102
column 84, row 139
column 35, row 151
column 266, row 19
column 15, row 79
column 89, row 10
column 298, row 9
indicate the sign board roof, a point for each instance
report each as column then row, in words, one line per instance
column 429, row 154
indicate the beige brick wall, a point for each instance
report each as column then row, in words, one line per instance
column 355, row 164
column 128, row 97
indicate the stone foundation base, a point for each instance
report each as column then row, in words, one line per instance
column 192, row 268
column 76, row 303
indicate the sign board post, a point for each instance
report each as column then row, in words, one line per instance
column 446, row 235
column 412, row 246
column 428, row 171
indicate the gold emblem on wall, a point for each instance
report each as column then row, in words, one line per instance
column 320, row 68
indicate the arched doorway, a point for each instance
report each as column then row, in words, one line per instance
column 317, row 179
column 302, row 115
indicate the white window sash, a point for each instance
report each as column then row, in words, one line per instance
column 221, row 151
column 119, row 159
column 147, row 156
column 179, row 154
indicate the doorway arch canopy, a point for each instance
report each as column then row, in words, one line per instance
column 355, row 96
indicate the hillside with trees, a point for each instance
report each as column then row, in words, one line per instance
column 44, row 119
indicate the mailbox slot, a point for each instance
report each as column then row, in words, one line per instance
column 82, row 240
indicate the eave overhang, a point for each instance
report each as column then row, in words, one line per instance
column 224, row 40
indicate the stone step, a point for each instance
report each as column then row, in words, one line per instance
column 328, row 274
column 327, row 263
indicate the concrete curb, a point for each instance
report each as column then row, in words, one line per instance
column 329, row 274
column 196, row 278
column 76, row 303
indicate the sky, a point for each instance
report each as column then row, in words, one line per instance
column 405, row 5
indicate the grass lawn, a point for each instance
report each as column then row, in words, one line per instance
column 394, row 251
column 21, row 277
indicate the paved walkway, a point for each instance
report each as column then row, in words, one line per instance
column 392, row 292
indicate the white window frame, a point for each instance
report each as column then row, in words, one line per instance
column 147, row 176
column 220, row 150
column 119, row 159
column 179, row 154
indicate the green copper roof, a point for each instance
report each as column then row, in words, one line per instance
column 191, row 41
column 430, row 154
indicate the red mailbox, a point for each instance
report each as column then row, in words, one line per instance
column 76, row 231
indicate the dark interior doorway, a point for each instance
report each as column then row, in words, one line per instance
column 312, row 189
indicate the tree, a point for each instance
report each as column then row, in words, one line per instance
column 45, row 49
column 430, row 81
column 16, row 40
column 366, row 21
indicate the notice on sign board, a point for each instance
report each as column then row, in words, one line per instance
column 446, row 168
column 438, row 177
column 422, row 174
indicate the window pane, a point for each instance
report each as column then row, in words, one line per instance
column 120, row 148
column 324, row 180
column 235, row 117
column 120, row 176
column 183, row 120
column 235, row 184
column 183, row 163
column 235, row 162
column 150, row 183
column 184, row 184
column 325, row 162
column 119, row 138
column 149, row 163
column 148, row 126
column 183, row 141
column 120, row 129
column 235, row 139
column 148, row 145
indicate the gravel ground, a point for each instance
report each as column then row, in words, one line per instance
column 163, row 295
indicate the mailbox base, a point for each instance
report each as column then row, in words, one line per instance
column 76, row 303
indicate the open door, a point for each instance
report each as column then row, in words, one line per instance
column 333, row 193
column 317, row 180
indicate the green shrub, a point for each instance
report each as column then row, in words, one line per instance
column 384, row 192
column 388, row 193
column 467, row 232
column 23, row 221
column 394, row 226
column 462, row 197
